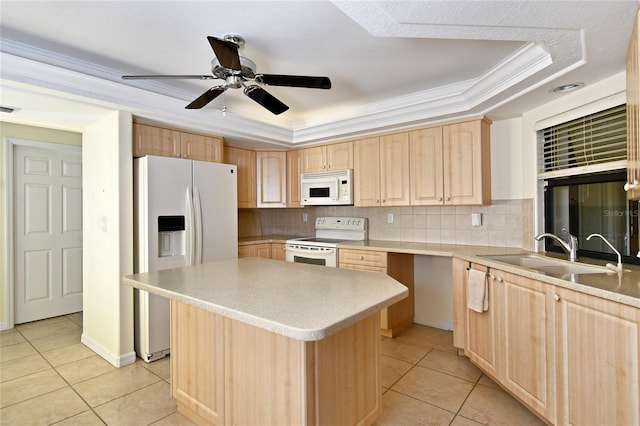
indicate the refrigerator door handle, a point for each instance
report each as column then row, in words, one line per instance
column 197, row 208
column 191, row 234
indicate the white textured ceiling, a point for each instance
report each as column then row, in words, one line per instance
column 393, row 64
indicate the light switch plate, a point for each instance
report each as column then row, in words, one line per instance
column 389, row 217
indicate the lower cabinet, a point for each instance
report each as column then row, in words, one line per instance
column 278, row 251
column 399, row 316
column 598, row 350
column 274, row 251
column 262, row 250
column 570, row 357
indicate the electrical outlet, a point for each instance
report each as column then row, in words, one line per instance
column 305, row 216
column 389, row 217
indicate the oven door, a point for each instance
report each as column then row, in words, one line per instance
column 326, row 256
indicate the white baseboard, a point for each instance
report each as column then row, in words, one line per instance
column 4, row 326
column 111, row 358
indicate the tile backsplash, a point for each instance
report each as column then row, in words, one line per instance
column 507, row 223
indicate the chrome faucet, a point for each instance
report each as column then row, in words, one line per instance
column 615, row 268
column 570, row 247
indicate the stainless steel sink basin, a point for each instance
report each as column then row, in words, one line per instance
column 546, row 265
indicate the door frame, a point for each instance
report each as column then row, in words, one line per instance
column 9, row 145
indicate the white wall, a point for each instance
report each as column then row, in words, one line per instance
column 108, row 252
column 506, row 160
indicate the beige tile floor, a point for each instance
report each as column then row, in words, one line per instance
column 48, row 377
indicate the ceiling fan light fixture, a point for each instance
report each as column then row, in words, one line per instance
column 567, row 88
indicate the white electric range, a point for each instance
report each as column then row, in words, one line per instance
column 322, row 249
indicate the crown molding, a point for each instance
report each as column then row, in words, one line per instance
column 100, row 86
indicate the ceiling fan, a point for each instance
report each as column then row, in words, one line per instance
column 237, row 70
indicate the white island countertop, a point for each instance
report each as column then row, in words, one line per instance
column 303, row 302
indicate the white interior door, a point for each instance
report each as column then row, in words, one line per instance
column 47, row 233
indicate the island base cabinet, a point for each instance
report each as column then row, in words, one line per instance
column 227, row 372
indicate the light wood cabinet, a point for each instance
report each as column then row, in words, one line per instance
column 156, row 140
column 399, row 316
column 633, row 112
column 572, row 358
column 525, row 319
column 278, row 251
column 262, row 250
column 426, row 162
column 513, row 340
column 271, row 171
column 294, row 168
column 245, row 159
column 467, row 162
column 337, row 156
column 226, row 372
column 451, row 165
column 381, row 171
column 598, row 353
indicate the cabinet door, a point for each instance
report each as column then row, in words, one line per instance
column 278, row 251
column 425, row 167
column 263, row 250
column 294, row 168
column 366, row 171
column 152, row 140
column 195, row 358
column 246, row 161
column 271, row 168
column 467, row 163
column 394, row 170
column 527, row 339
column 482, row 334
column 633, row 112
column 598, row 350
column 339, row 156
column 313, row 159
column 200, row 147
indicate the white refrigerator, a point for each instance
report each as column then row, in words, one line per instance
column 185, row 214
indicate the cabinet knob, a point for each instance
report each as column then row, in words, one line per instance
column 384, row 201
column 493, row 277
column 627, row 186
column 500, row 279
column 361, row 257
column 439, row 198
column 448, row 198
column 556, row 297
column 377, row 201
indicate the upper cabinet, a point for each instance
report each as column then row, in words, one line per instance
column 451, row 165
column 271, row 168
column 467, row 162
column 294, row 168
column 155, row 140
column 633, row 113
column 337, row 156
column 245, row 159
column 381, row 171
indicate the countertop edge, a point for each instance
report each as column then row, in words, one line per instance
column 474, row 253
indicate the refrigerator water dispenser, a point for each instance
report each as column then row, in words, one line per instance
column 171, row 236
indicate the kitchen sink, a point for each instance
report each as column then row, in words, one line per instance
column 546, row 265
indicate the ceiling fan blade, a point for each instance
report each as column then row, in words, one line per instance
column 226, row 52
column 206, row 97
column 294, row 81
column 265, row 99
column 167, row 76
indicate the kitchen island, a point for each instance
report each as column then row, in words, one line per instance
column 257, row 341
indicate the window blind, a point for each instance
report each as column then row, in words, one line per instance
column 587, row 144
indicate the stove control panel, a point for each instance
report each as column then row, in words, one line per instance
column 344, row 223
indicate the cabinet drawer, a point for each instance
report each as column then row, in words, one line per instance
column 363, row 267
column 363, row 258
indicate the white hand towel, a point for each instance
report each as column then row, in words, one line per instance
column 477, row 291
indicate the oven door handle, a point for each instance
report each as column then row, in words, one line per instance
column 325, row 251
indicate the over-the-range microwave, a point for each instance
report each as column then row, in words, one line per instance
column 327, row 188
